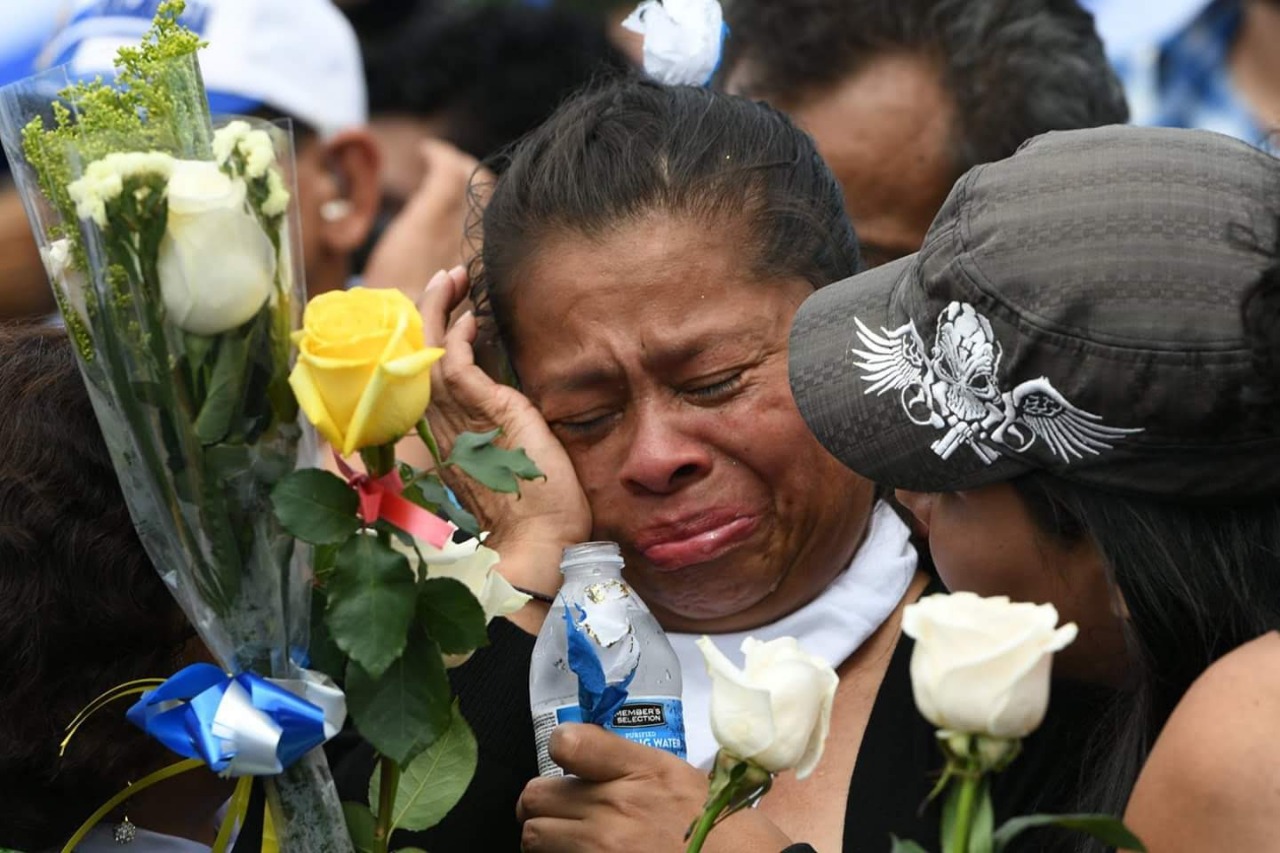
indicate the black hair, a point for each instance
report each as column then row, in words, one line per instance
column 1014, row 68
column 618, row 153
column 1197, row 581
column 1261, row 310
column 491, row 74
column 82, row 609
column 373, row 21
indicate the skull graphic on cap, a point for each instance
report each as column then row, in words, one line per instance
column 956, row 388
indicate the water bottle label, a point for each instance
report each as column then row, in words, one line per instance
column 656, row 721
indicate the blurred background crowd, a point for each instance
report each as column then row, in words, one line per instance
column 404, row 98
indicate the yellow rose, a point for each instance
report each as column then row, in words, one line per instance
column 363, row 375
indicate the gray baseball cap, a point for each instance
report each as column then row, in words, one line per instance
column 1075, row 309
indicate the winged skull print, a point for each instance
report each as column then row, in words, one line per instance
column 955, row 387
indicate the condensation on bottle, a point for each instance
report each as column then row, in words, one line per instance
column 624, row 634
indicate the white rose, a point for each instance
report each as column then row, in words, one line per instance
column 981, row 665
column 776, row 710
column 471, row 564
column 216, row 264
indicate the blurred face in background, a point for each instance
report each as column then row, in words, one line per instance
column 885, row 131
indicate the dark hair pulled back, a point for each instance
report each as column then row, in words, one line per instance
column 634, row 148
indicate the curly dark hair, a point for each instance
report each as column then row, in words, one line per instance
column 1014, row 68
column 82, row 609
column 492, row 73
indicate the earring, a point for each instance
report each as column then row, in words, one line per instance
column 335, row 209
column 125, row 831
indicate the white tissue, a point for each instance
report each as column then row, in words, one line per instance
column 682, row 39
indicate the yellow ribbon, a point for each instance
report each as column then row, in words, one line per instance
column 235, row 812
column 129, row 688
column 141, row 785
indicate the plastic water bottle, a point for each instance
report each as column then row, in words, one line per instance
column 625, row 636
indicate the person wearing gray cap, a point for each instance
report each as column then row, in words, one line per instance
column 1056, row 385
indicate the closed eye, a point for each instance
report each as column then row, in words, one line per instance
column 585, row 425
column 714, row 390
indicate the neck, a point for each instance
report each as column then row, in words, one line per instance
column 1255, row 61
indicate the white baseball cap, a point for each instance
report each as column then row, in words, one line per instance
column 296, row 57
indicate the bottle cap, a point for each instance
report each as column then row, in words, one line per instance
column 591, row 553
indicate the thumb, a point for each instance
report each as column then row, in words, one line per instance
column 596, row 755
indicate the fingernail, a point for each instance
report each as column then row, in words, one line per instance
column 437, row 280
column 458, row 271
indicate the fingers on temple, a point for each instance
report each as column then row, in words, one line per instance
column 444, row 291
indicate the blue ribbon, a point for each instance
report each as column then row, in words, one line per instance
column 243, row 725
column 596, row 697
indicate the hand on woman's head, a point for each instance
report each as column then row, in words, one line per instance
column 531, row 529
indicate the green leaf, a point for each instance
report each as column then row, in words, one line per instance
column 227, row 457
column 905, row 846
column 405, row 710
column 322, row 559
column 198, row 348
column 433, row 782
column 1107, row 829
column 948, row 825
column 452, row 615
column 316, row 506
column 493, row 466
column 324, row 653
column 360, row 826
column 226, row 389
column 149, row 393
column 371, row 601
column 431, row 494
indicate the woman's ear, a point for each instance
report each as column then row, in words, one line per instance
column 350, row 206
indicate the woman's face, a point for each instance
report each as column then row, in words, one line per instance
column 985, row 541
column 660, row 362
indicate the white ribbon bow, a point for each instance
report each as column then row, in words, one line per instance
column 254, row 737
column 682, row 39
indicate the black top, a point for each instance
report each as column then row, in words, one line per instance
column 493, row 692
column 897, row 763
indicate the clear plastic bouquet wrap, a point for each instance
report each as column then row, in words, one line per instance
column 168, row 246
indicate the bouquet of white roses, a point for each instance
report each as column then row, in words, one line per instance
column 167, row 243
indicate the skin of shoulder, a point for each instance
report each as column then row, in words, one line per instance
column 1212, row 781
